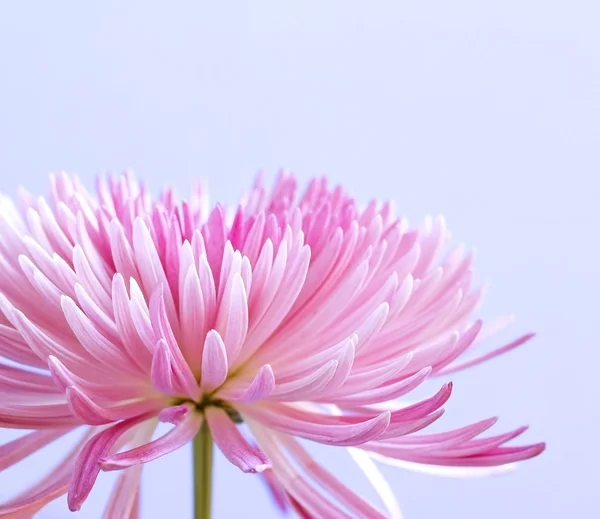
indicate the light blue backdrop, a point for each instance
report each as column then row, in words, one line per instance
column 488, row 112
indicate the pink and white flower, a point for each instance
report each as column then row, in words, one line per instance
column 305, row 317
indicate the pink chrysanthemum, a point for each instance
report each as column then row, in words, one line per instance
column 303, row 317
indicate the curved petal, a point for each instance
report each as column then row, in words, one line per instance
column 331, row 484
column 38, row 416
column 483, row 358
column 124, row 499
column 382, row 394
column 305, row 499
column 318, row 426
column 94, row 414
column 54, row 485
column 232, row 444
column 261, row 387
column 183, row 432
column 87, row 468
column 18, row 449
column 276, row 490
column 307, row 386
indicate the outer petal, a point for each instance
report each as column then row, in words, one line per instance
column 94, row 414
column 276, row 490
column 87, row 467
column 48, row 489
column 331, row 484
column 306, row 500
column 233, row 445
column 317, row 426
column 16, row 450
column 124, row 500
column 125, row 497
column 187, row 428
column 492, row 354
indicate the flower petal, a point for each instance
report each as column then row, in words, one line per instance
column 233, row 445
column 183, row 432
column 51, row 487
column 214, row 362
column 261, row 387
column 87, row 467
column 183, row 377
column 492, row 354
column 95, row 414
column 329, row 483
column 16, row 450
column 125, row 496
column 318, row 426
column 232, row 319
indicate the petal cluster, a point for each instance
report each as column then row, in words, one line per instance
column 302, row 315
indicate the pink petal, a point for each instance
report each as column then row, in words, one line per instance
column 467, row 432
column 214, row 362
column 37, row 416
column 384, row 393
column 209, row 292
column 332, row 485
column 150, row 267
column 214, row 234
column 306, row 387
column 132, row 342
column 317, row 426
column 185, row 430
column 91, row 339
column 174, row 414
column 87, row 467
column 54, row 485
column 121, row 390
column 478, row 360
column 496, row 457
column 16, row 450
column 94, row 414
column 122, row 253
column 261, row 386
column 372, row 326
column 87, row 277
column 184, row 378
column 466, row 339
column 163, row 378
column 26, row 380
column 374, row 375
column 232, row 319
column 276, row 490
column 124, row 499
column 233, row 445
column 305, row 499
column 41, row 344
column 307, row 362
column 193, row 319
column 13, row 347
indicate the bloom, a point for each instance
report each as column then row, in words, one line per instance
column 304, row 317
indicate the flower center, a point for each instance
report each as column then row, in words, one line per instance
column 209, row 400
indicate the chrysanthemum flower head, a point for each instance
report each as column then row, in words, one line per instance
column 303, row 316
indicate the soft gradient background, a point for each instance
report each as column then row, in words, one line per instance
column 486, row 111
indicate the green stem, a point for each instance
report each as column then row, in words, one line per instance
column 202, row 447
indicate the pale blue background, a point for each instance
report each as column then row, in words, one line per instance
column 487, row 111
